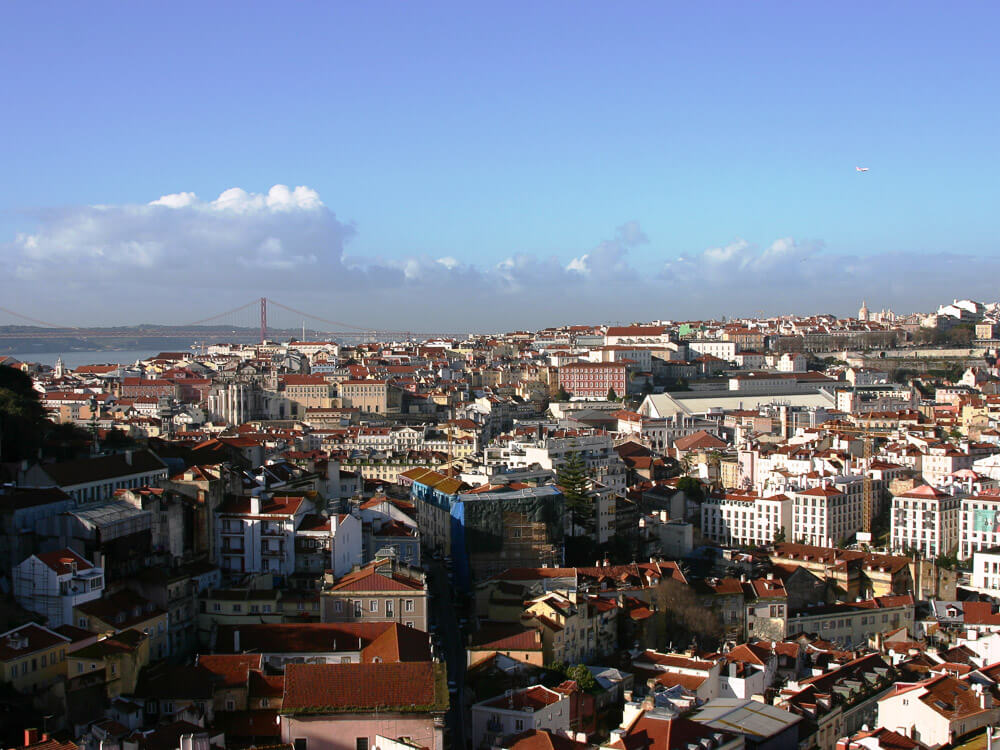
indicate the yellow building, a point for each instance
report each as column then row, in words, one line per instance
column 126, row 610
column 32, row 658
column 371, row 396
column 114, row 661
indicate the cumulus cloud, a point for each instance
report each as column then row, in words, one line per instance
column 608, row 260
column 224, row 242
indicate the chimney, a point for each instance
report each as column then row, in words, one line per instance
column 236, row 641
column 31, row 736
column 128, row 457
column 255, row 504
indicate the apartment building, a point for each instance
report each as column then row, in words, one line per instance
column 307, row 392
column 925, row 519
column 745, row 518
column 322, row 543
column 575, row 628
column 517, row 711
column 381, row 591
column 371, row 396
column 979, row 528
column 32, row 657
column 92, row 479
column 593, row 380
column 256, row 534
column 826, row 514
column 53, row 583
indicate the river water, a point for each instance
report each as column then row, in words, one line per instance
column 102, row 357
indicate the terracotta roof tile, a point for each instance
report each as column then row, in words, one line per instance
column 361, row 688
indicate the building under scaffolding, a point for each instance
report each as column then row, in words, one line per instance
column 114, row 535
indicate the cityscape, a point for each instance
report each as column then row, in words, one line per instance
column 443, row 376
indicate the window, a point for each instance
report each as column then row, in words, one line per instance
column 388, row 607
column 408, row 605
column 82, row 622
column 216, row 606
column 518, row 724
column 361, row 743
column 230, row 704
column 373, row 605
column 338, row 607
column 300, row 743
column 237, row 608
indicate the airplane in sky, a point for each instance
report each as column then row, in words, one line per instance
column 862, row 169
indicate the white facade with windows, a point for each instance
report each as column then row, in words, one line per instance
column 826, row 514
column 979, row 528
column 986, row 572
column 925, row 519
column 745, row 518
column 518, row 711
column 257, row 535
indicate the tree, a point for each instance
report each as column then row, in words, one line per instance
column 573, row 480
column 562, row 395
column 691, row 487
column 685, row 617
column 582, row 676
column 22, row 417
column 779, row 535
column 612, row 396
column 961, row 334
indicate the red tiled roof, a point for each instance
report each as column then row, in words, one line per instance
column 651, row 732
column 233, row 669
column 535, row 698
column 371, row 578
column 506, row 638
column 61, row 561
column 540, row 739
column 35, row 638
column 361, row 688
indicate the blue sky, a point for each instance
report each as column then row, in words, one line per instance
column 480, row 132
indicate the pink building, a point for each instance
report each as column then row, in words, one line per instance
column 348, row 706
column 593, row 379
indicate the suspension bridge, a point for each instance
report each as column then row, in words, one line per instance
column 261, row 318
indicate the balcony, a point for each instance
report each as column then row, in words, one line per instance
column 271, row 531
column 268, row 552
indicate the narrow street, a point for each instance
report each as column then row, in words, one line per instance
column 445, row 611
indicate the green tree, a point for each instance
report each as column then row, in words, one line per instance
column 612, row 396
column 691, row 487
column 22, row 416
column 583, row 677
column 573, row 480
column 562, row 395
column 779, row 535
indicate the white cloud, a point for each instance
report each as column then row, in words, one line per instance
column 175, row 200
column 227, row 242
column 185, row 253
